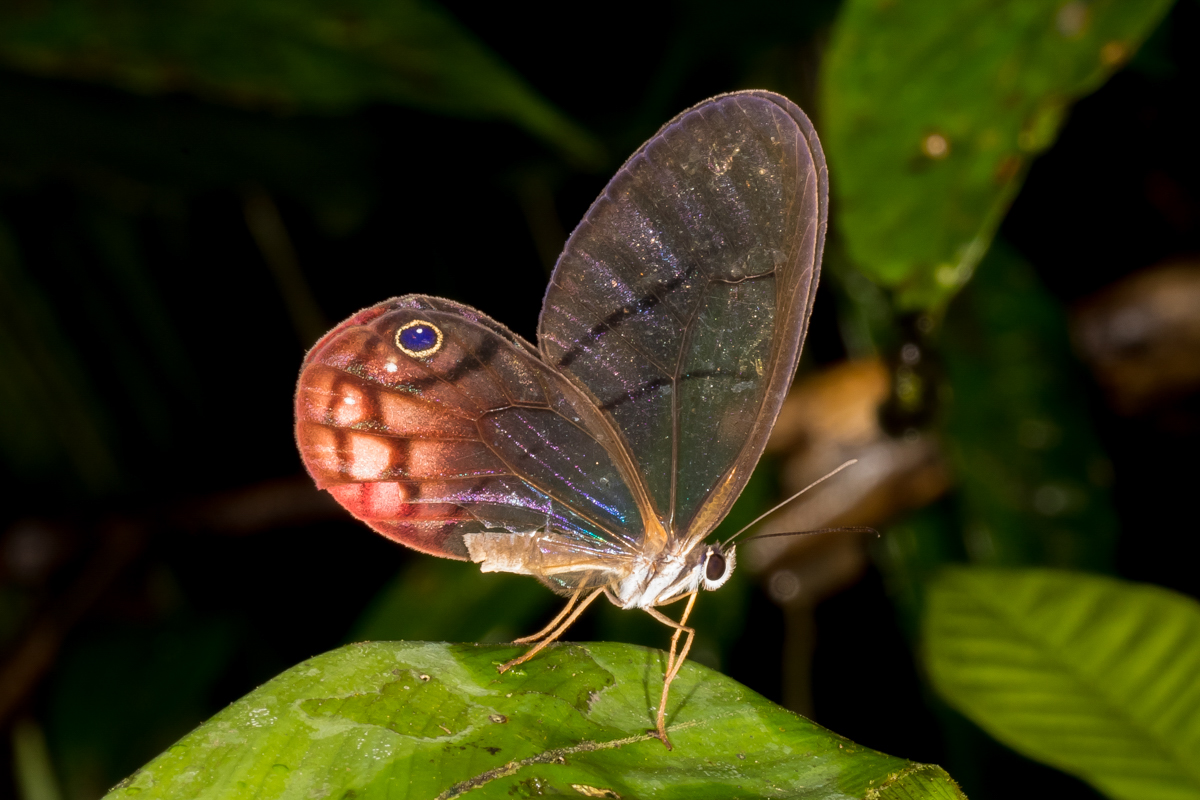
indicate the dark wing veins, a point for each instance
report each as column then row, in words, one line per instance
column 652, row 298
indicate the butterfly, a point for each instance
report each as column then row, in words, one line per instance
column 600, row 459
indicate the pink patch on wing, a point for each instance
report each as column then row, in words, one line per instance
column 371, row 501
column 367, row 457
column 349, row 408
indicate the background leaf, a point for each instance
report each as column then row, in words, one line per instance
column 1093, row 675
column 425, row 720
column 1033, row 476
column 305, row 56
column 931, row 114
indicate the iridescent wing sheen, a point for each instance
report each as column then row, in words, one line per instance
column 477, row 436
column 680, row 303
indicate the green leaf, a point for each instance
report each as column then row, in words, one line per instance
column 1096, row 676
column 933, row 110
column 289, row 54
column 422, row 720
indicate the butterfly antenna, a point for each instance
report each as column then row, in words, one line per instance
column 842, row 529
column 768, row 513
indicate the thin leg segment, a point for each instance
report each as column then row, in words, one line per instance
column 673, row 663
column 531, row 652
column 554, row 622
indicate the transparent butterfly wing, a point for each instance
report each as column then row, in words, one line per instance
column 681, row 301
column 480, row 436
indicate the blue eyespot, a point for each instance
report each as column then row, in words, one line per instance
column 419, row 338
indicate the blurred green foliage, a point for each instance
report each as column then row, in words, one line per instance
column 170, row 675
column 931, row 113
column 1033, row 479
column 287, row 55
column 457, row 602
column 46, row 407
column 1093, row 675
column 425, row 720
column 931, row 116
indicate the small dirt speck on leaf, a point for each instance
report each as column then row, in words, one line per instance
column 595, row 791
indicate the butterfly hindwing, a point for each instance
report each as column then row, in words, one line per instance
column 477, row 435
column 681, row 300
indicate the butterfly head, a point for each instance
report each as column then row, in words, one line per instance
column 663, row 579
column 716, row 566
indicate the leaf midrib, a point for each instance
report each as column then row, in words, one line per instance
column 1057, row 656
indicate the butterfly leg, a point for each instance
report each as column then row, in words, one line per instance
column 554, row 622
column 533, row 651
column 673, row 663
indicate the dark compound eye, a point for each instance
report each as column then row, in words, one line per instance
column 714, row 570
column 419, row 338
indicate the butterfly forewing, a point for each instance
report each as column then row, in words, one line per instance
column 681, row 301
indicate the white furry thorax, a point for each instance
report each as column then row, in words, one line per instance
column 643, row 582
column 658, row 580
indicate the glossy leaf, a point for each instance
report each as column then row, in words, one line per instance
column 410, row 719
column 291, row 55
column 1093, row 675
column 933, row 111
